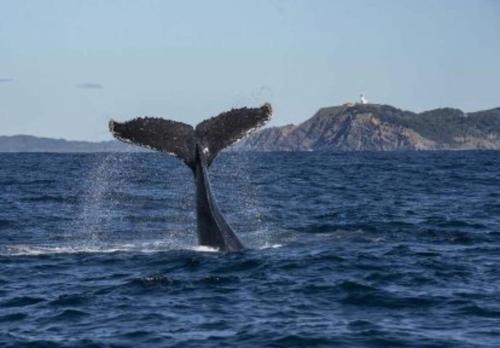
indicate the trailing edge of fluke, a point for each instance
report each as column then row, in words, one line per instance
column 198, row 147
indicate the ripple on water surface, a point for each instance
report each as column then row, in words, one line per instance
column 358, row 249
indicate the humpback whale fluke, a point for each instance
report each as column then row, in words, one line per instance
column 198, row 147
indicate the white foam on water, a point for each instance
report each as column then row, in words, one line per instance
column 205, row 249
column 27, row 250
column 146, row 247
column 270, row 246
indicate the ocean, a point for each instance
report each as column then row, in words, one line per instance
column 364, row 249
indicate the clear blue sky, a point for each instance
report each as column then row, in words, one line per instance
column 67, row 66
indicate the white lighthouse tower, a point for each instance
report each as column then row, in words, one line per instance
column 362, row 98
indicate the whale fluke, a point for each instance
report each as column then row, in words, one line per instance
column 180, row 139
column 168, row 136
column 221, row 131
column 198, row 148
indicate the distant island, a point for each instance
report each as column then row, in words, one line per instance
column 348, row 127
column 28, row 143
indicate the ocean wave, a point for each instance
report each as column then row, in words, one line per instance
column 342, row 250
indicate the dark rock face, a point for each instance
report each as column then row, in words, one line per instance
column 373, row 127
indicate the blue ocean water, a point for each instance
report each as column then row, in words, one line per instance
column 347, row 249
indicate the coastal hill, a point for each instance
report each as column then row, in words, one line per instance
column 28, row 143
column 349, row 127
column 375, row 127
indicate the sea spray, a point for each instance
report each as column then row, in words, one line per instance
column 129, row 200
column 98, row 207
column 238, row 195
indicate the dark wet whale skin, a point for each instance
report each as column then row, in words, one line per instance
column 197, row 147
column 213, row 230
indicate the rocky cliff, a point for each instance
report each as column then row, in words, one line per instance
column 374, row 127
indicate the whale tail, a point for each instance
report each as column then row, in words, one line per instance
column 180, row 139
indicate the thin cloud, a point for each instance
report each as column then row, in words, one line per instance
column 90, row 85
column 5, row 80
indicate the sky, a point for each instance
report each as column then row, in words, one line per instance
column 67, row 67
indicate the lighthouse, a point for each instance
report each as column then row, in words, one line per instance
column 362, row 98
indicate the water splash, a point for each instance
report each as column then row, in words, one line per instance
column 125, row 202
column 98, row 209
column 128, row 199
column 241, row 201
